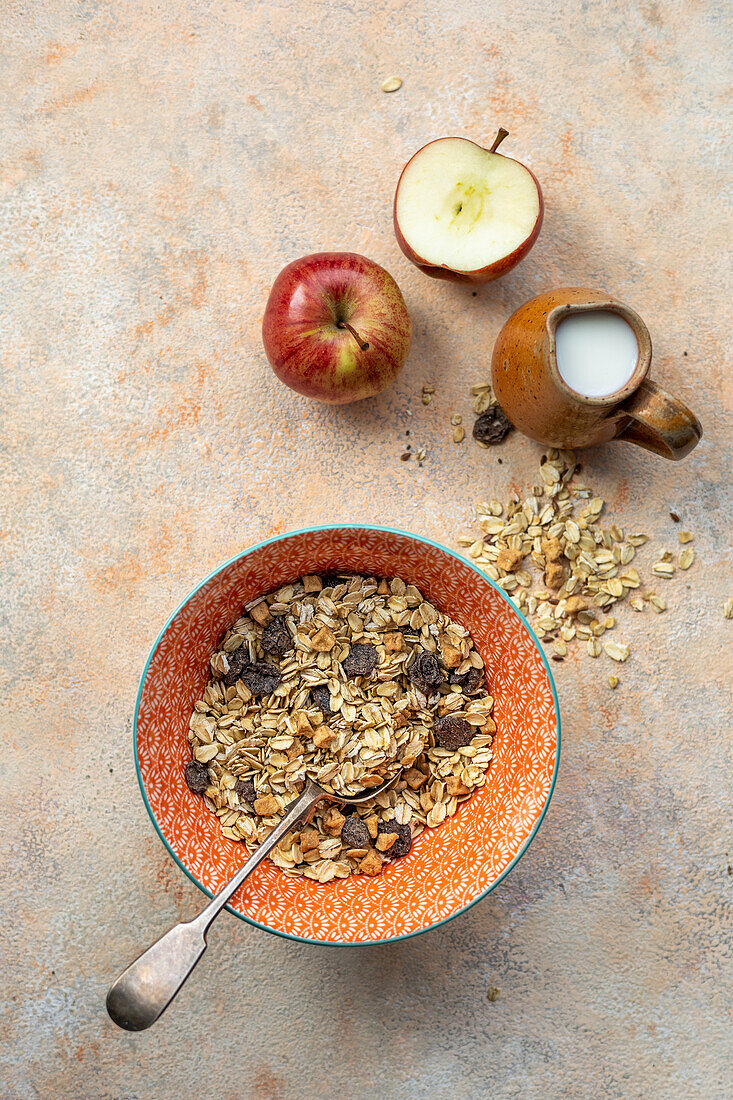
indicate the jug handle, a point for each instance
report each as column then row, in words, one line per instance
column 659, row 422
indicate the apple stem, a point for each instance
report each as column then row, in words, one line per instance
column 498, row 139
column 362, row 343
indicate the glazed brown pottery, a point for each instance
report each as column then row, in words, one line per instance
column 530, row 390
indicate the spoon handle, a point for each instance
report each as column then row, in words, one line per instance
column 145, row 989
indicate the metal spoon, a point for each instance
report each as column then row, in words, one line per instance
column 145, row 989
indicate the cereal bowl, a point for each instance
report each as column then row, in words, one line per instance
column 448, row 868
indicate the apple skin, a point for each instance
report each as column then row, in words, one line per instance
column 306, row 348
column 482, row 274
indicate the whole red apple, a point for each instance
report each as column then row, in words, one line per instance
column 336, row 327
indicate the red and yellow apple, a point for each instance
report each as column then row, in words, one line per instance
column 466, row 213
column 336, row 327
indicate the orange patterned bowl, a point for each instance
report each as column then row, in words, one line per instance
column 449, row 868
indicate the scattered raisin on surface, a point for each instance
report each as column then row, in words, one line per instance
column 425, row 672
column 237, row 662
column 196, row 776
column 470, row 681
column 452, row 733
column 492, row 426
column 404, row 838
column 354, row 833
column 362, row 660
column 322, row 698
column 261, row 679
column 276, row 637
column 245, row 788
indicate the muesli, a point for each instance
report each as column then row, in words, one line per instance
column 350, row 680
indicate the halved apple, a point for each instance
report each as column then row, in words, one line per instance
column 466, row 213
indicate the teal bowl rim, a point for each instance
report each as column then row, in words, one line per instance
column 352, row 527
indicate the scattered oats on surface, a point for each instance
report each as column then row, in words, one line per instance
column 317, row 679
column 613, row 681
column 459, row 434
column 391, row 84
column 685, row 558
column 558, row 564
column 728, row 609
column 685, row 536
column 617, row 651
column 482, row 402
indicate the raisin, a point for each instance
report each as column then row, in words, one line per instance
column 322, row 698
column 404, row 838
column 470, row 681
column 425, row 672
column 492, row 426
column 361, row 661
column 245, row 788
column 261, row 679
column 354, row 833
column 237, row 661
column 409, row 633
column 331, row 580
column 452, row 733
column 276, row 637
column 196, row 776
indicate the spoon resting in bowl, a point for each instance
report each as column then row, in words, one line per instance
column 144, row 990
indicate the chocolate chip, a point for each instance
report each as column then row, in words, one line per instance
column 276, row 637
column 261, row 679
column 245, row 788
column 425, row 672
column 452, row 733
column 674, row 517
column 470, row 681
column 237, row 662
column 196, row 776
column 404, row 838
column 491, row 426
column 322, row 698
column 362, row 660
column 354, row 833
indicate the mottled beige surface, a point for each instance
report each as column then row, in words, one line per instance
column 158, row 164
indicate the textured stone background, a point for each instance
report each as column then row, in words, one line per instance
column 158, row 164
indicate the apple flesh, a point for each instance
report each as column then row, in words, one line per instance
column 466, row 213
column 336, row 327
